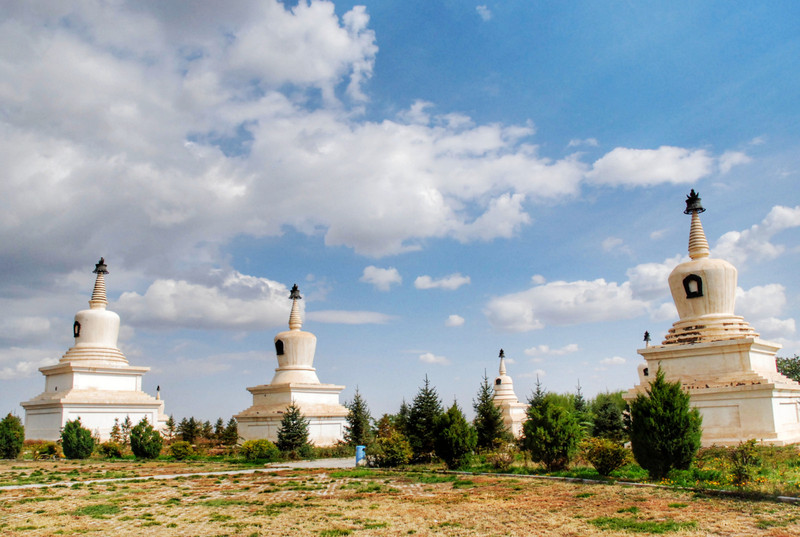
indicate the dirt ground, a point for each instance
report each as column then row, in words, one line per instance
column 341, row 502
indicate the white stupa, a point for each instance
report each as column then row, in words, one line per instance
column 727, row 369
column 504, row 397
column 295, row 381
column 93, row 380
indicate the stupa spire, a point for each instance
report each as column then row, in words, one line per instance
column 698, row 245
column 502, row 363
column 99, row 300
column 295, row 322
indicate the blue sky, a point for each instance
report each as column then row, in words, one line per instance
column 441, row 179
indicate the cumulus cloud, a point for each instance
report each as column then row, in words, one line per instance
column 430, row 358
column 564, row 303
column 231, row 301
column 648, row 281
column 545, row 350
column 646, row 167
column 381, row 278
column 454, row 320
column 729, row 159
column 761, row 305
column 18, row 362
column 614, row 360
column 349, row 317
column 740, row 247
column 449, row 283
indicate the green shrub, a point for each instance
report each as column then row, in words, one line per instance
column 389, row 451
column 111, row 450
column 744, row 462
column 551, row 432
column 181, row 450
column 260, row 450
column 12, row 437
column 47, row 450
column 605, row 455
column 455, row 438
column 503, row 457
column 664, row 430
column 76, row 440
column 146, row 442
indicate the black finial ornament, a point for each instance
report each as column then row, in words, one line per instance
column 502, row 354
column 646, row 336
column 100, row 267
column 693, row 203
column 295, row 294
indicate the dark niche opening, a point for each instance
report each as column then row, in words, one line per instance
column 693, row 285
column 76, row 329
column 279, row 347
column 498, row 382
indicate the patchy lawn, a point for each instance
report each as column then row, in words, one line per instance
column 363, row 502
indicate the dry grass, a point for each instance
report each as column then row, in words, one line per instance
column 326, row 503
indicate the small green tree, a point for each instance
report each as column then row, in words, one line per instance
column 181, row 450
column 455, row 437
column 358, row 431
column 607, row 409
column 127, row 425
column 219, row 431
column 293, row 430
column 421, row 425
column 189, row 430
column 116, row 432
column 146, row 442
column 76, row 441
column 400, row 420
column 169, row 429
column 207, row 431
column 12, row 437
column 390, row 448
column 488, row 422
column 552, row 432
column 231, row 435
column 664, row 430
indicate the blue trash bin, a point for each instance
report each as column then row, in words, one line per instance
column 360, row 455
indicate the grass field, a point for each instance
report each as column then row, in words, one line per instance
column 356, row 502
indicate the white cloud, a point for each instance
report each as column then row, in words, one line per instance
column 649, row 280
column 740, row 247
column 226, row 301
column 564, row 303
column 18, row 362
column 484, row 12
column 645, row 167
column 430, row 358
column 575, row 142
column 611, row 243
column 454, row 320
column 614, row 360
column 449, row 283
column 538, row 279
column 20, row 328
column 545, row 350
column 349, row 317
column 729, row 159
column 761, row 305
column 381, row 278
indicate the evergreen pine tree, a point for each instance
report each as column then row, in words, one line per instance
column 607, row 421
column 169, row 430
column 219, row 430
column 12, row 437
column 489, row 425
column 293, row 430
column 664, row 430
column 76, row 440
column 189, row 430
column 455, row 438
column 127, row 425
column 582, row 411
column 146, row 442
column 358, row 431
column 231, row 434
column 425, row 408
column 400, row 420
column 207, row 430
column 116, row 432
column 551, row 433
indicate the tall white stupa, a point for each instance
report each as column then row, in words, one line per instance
column 93, row 380
column 506, row 400
column 295, row 381
column 719, row 359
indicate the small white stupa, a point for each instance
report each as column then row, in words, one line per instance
column 728, row 371
column 504, row 397
column 295, row 381
column 93, row 380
